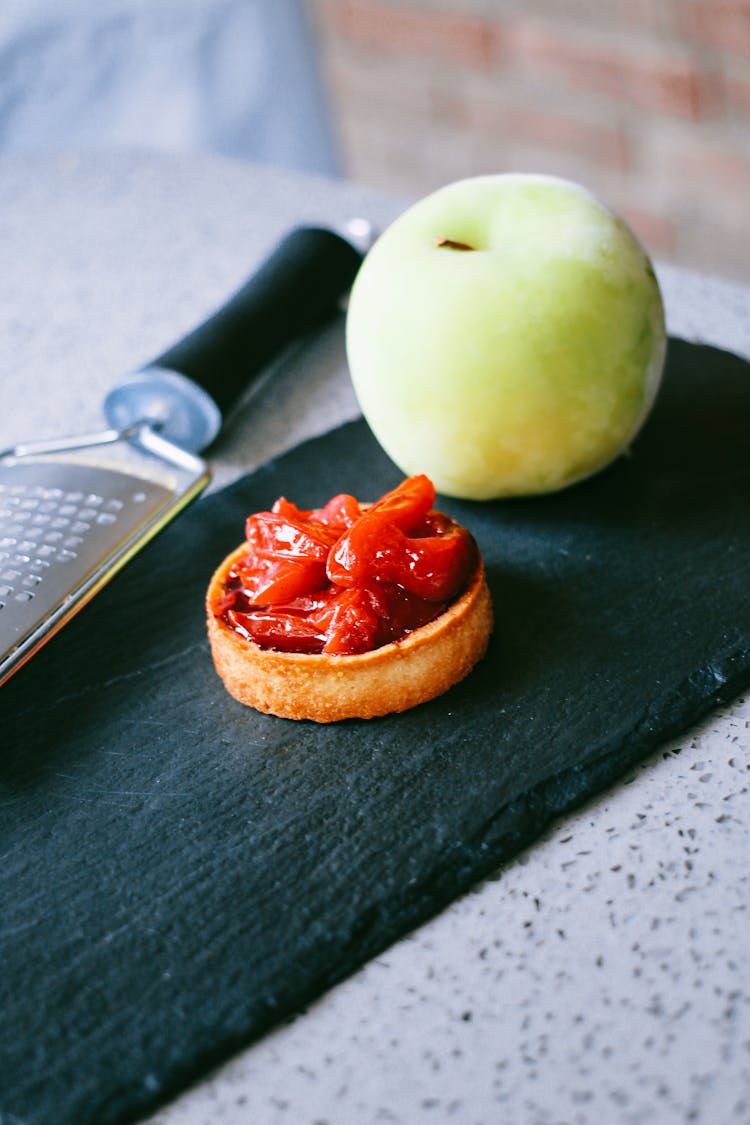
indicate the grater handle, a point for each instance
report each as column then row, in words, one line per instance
column 185, row 391
column 296, row 289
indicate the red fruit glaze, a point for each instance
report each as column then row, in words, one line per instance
column 345, row 580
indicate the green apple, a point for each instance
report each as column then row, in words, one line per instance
column 505, row 335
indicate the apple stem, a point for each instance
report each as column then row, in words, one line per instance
column 452, row 244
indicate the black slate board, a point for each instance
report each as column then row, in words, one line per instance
column 179, row 872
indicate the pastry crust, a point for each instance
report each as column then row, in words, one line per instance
column 327, row 688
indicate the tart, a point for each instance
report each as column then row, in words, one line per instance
column 351, row 610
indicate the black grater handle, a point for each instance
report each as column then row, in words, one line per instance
column 296, row 289
column 185, row 393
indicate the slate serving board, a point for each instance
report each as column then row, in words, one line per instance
column 179, row 872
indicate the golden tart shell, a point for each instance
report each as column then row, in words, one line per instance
column 326, row 687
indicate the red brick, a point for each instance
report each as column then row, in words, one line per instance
column 716, row 174
column 698, row 173
column 737, row 93
column 599, row 144
column 653, row 16
column 664, row 81
column 719, row 23
column 380, row 85
column 384, row 27
column 657, row 232
column 710, row 244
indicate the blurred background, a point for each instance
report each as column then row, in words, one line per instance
column 647, row 102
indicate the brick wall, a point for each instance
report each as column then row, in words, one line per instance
column 645, row 101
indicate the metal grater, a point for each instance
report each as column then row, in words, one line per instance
column 67, row 526
column 75, row 510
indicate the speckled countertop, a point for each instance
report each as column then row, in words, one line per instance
column 600, row 978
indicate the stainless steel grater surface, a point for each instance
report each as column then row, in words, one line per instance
column 74, row 510
column 66, row 526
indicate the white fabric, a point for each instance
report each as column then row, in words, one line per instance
column 236, row 77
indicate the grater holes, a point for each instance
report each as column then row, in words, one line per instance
column 39, row 507
column 45, row 534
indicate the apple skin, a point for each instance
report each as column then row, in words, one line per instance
column 515, row 367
